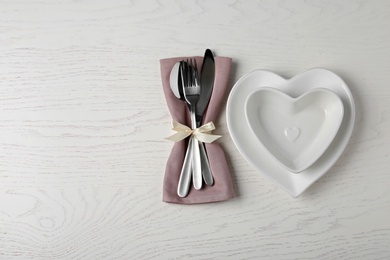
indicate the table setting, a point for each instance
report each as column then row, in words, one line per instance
column 195, row 129
column 291, row 130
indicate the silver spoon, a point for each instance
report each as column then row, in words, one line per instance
column 185, row 175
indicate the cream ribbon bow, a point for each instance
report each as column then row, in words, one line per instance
column 201, row 133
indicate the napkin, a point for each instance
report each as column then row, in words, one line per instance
column 222, row 188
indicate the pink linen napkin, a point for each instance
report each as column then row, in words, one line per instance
column 222, row 188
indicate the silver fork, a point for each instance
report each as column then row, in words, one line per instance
column 206, row 171
column 191, row 95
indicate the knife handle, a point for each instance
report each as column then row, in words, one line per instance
column 206, row 172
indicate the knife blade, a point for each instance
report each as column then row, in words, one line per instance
column 207, row 84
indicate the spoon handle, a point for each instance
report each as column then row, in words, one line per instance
column 185, row 175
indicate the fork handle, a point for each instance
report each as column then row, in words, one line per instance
column 196, row 163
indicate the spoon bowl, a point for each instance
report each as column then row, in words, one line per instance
column 175, row 81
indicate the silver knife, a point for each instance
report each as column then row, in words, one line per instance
column 207, row 84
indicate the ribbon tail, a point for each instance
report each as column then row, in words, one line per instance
column 178, row 136
column 206, row 138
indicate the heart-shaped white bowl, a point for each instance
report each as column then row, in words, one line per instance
column 254, row 151
column 295, row 131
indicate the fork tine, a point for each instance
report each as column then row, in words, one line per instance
column 189, row 68
column 195, row 67
column 193, row 71
column 196, row 72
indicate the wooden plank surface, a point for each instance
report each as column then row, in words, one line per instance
column 82, row 121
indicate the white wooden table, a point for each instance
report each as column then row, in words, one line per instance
column 82, row 121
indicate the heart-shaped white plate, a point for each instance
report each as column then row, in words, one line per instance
column 253, row 150
column 295, row 131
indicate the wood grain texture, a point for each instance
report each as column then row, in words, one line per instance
column 82, row 121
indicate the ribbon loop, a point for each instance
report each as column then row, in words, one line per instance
column 201, row 133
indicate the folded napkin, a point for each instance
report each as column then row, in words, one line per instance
column 222, row 188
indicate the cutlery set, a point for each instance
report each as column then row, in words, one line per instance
column 195, row 90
